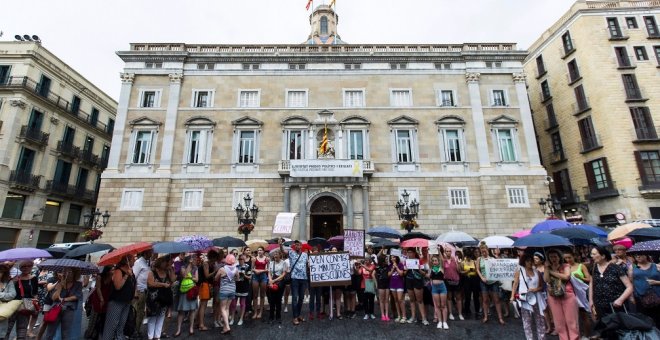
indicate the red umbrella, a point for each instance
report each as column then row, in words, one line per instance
column 116, row 255
column 415, row 243
column 305, row 247
column 272, row 247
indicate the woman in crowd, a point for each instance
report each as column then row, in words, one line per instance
column 287, row 283
column 99, row 300
column 415, row 286
column 646, row 284
column 622, row 259
column 490, row 290
column 539, row 264
column 207, row 274
column 610, row 286
column 242, row 288
column 314, row 294
column 339, row 291
column 259, row 282
column 67, row 293
column 185, row 304
column 439, row 291
column 219, row 263
column 27, row 287
column 581, row 277
column 277, row 270
column 468, row 270
column 396, row 273
column 383, row 284
column 368, row 285
column 561, row 296
column 450, row 266
column 227, row 275
column 120, row 300
column 248, row 259
column 528, row 286
column 159, row 296
column 7, row 292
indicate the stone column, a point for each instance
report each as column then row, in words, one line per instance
column 302, row 215
column 120, row 123
column 480, row 134
column 526, row 120
column 165, row 163
column 365, row 206
column 11, row 127
column 349, row 207
column 287, row 199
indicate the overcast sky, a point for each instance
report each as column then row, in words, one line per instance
column 86, row 33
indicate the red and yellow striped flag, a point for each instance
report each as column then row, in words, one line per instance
column 309, row 3
column 323, row 148
column 332, row 3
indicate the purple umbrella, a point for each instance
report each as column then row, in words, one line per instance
column 646, row 247
column 549, row 225
column 61, row 265
column 337, row 241
column 23, row 254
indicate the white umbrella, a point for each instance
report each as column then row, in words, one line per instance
column 498, row 242
column 455, row 237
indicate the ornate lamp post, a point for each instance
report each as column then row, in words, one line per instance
column 550, row 206
column 407, row 211
column 95, row 221
column 247, row 216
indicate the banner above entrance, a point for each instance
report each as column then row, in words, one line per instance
column 284, row 223
column 326, row 168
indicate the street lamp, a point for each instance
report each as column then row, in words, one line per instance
column 407, row 211
column 95, row 221
column 247, row 216
column 550, row 206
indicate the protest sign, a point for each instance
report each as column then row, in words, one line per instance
column 412, row 263
column 395, row 252
column 433, row 248
column 354, row 242
column 284, row 223
column 501, row 269
column 329, row 269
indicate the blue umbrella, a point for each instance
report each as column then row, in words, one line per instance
column 645, row 234
column 541, row 240
column 384, row 232
column 550, row 225
column 575, row 235
column 170, row 247
column 598, row 230
column 646, row 247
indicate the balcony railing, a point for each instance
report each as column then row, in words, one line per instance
column 33, row 135
column 24, row 180
column 569, row 197
column 68, row 149
column 285, row 167
column 634, row 94
column 646, row 134
column 608, row 190
column 72, row 192
column 626, row 62
column 87, row 157
column 63, row 104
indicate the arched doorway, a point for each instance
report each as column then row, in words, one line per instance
column 326, row 217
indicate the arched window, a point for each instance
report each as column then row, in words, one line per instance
column 324, row 25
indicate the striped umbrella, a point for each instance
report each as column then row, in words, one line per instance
column 60, row 265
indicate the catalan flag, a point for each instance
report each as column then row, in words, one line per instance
column 332, row 3
column 309, row 3
column 323, row 148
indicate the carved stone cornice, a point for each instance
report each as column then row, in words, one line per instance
column 127, row 77
column 176, row 78
column 472, row 77
column 18, row 103
column 519, row 77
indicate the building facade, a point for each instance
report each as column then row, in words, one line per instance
column 200, row 126
column 595, row 93
column 55, row 135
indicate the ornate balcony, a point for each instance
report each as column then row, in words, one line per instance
column 87, row 157
column 33, row 136
column 71, row 192
column 67, row 150
column 284, row 167
column 568, row 197
column 24, row 180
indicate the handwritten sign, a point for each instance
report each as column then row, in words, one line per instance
column 284, row 223
column 501, row 269
column 412, row 263
column 395, row 252
column 354, row 242
column 329, row 269
column 433, row 248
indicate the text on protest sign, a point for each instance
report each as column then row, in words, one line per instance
column 501, row 269
column 329, row 269
column 354, row 242
column 395, row 252
column 284, row 223
column 412, row 263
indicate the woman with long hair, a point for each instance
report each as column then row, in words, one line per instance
column 121, row 296
column 383, row 284
column 368, row 286
column 580, row 272
column 67, row 293
column 415, row 286
column 453, row 282
column 490, row 290
column 439, row 291
column 528, row 287
column 539, row 264
column 242, row 290
column 646, row 283
column 468, row 270
column 396, row 273
column 207, row 274
column 186, row 305
column 7, row 292
column 259, row 282
column 276, row 272
column 27, row 286
column 159, row 296
column 227, row 275
column 561, row 296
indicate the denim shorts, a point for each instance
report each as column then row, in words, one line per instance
column 438, row 288
column 492, row 288
column 227, row 296
column 262, row 278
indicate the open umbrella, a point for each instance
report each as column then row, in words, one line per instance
column 522, row 233
column 577, row 236
column 446, row 246
column 319, row 242
column 498, row 242
column 57, row 252
column 172, row 247
column 116, row 255
column 197, row 242
column 645, row 234
column 272, row 251
column 336, row 241
column 549, row 225
column 623, row 230
column 305, row 247
column 384, row 232
column 88, row 249
column 272, row 246
column 646, row 247
column 255, row 244
column 23, row 254
column 60, row 265
column 228, row 241
column 598, row 230
column 455, row 237
column 415, row 234
column 415, row 243
column 541, row 240
column 380, row 242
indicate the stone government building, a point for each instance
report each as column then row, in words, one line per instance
column 199, row 126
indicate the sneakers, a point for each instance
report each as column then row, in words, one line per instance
column 460, row 317
column 387, row 318
column 445, row 325
column 402, row 320
column 216, row 324
column 286, row 310
column 451, row 317
column 439, row 326
column 373, row 317
column 425, row 323
column 231, row 322
column 240, row 322
column 366, row 317
column 411, row 320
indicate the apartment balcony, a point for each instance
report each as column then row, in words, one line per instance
column 567, row 198
column 284, row 167
column 590, row 144
column 649, row 188
column 33, row 136
column 646, row 135
column 72, row 192
column 24, row 180
column 87, row 157
column 67, row 150
column 609, row 190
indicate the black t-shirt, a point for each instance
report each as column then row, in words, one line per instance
column 30, row 288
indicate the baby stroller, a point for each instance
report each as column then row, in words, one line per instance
column 627, row 326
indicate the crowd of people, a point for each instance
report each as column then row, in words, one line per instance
column 561, row 292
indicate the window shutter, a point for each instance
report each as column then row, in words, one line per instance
column 559, row 188
column 606, row 168
column 640, row 166
column 589, row 171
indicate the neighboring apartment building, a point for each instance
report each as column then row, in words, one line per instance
column 55, row 136
column 201, row 125
column 594, row 83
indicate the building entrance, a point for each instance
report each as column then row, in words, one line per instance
column 326, row 217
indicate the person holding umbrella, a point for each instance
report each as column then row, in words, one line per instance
column 646, row 284
column 67, row 293
column 120, row 299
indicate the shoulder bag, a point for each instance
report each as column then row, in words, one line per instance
column 51, row 315
column 523, row 296
column 556, row 287
column 28, row 305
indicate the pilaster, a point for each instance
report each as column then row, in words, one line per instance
column 526, row 119
column 349, row 207
column 302, row 231
column 120, row 123
column 365, row 206
column 480, row 134
column 167, row 148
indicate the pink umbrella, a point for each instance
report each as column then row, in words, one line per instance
column 522, row 233
column 415, row 243
column 626, row 242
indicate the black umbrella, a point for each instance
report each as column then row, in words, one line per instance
column 57, row 252
column 88, row 249
column 379, row 242
column 645, row 234
column 415, row 234
column 319, row 242
column 171, row 247
column 577, row 236
column 384, row 231
column 228, row 241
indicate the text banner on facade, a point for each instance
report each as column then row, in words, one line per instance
column 325, row 168
column 329, row 269
column 501, row 269
column 284, row 223
column 354, row 242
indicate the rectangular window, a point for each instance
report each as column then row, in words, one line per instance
column 573, row 70
column 251, row 66
column 588, row 134
column 631, row 22
column 205, row 66
column 296, row 66
column 153, row 65
column 505, row 145
column 62, row 174
column 567, row 42
column 355, row 144
column 202, row 98
column 131, row 199
column 352, row 66
column 517, row 196
column 46, row 238
column 400, row 98
column 581, row 98
column 540, row 66
column 643, row 122
column 247, row 143
column 25, row 160
column 651, row 26
column 150, row 98
column 43, row 88
column 600, row 174
column 193, row 199
column 70, row 237
column 613, row 27
column 239, row 195
column 632, row 89
column 443, row 66
column 142, row 147
column 622, row 57
column 197, row 146
column 649, row 166
column 447, row 98
column 499, row 98
column 296, row 144
column 493, row 64
column 398, row 66
column 75, row 212
column 563, row 188
column 545, row 90
column 452, row 145
column 8, row 237
column 94, row 116
column 4, row 73
column 14, row 204
column 353, row 98
column 249, row 99
column 75, row 105
column 640, row 53
column 51, row 211
column 404, row 151
column 557, row 148
column 296, row 98
column 656, row 50
column 458, row 198
column 552, row 117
